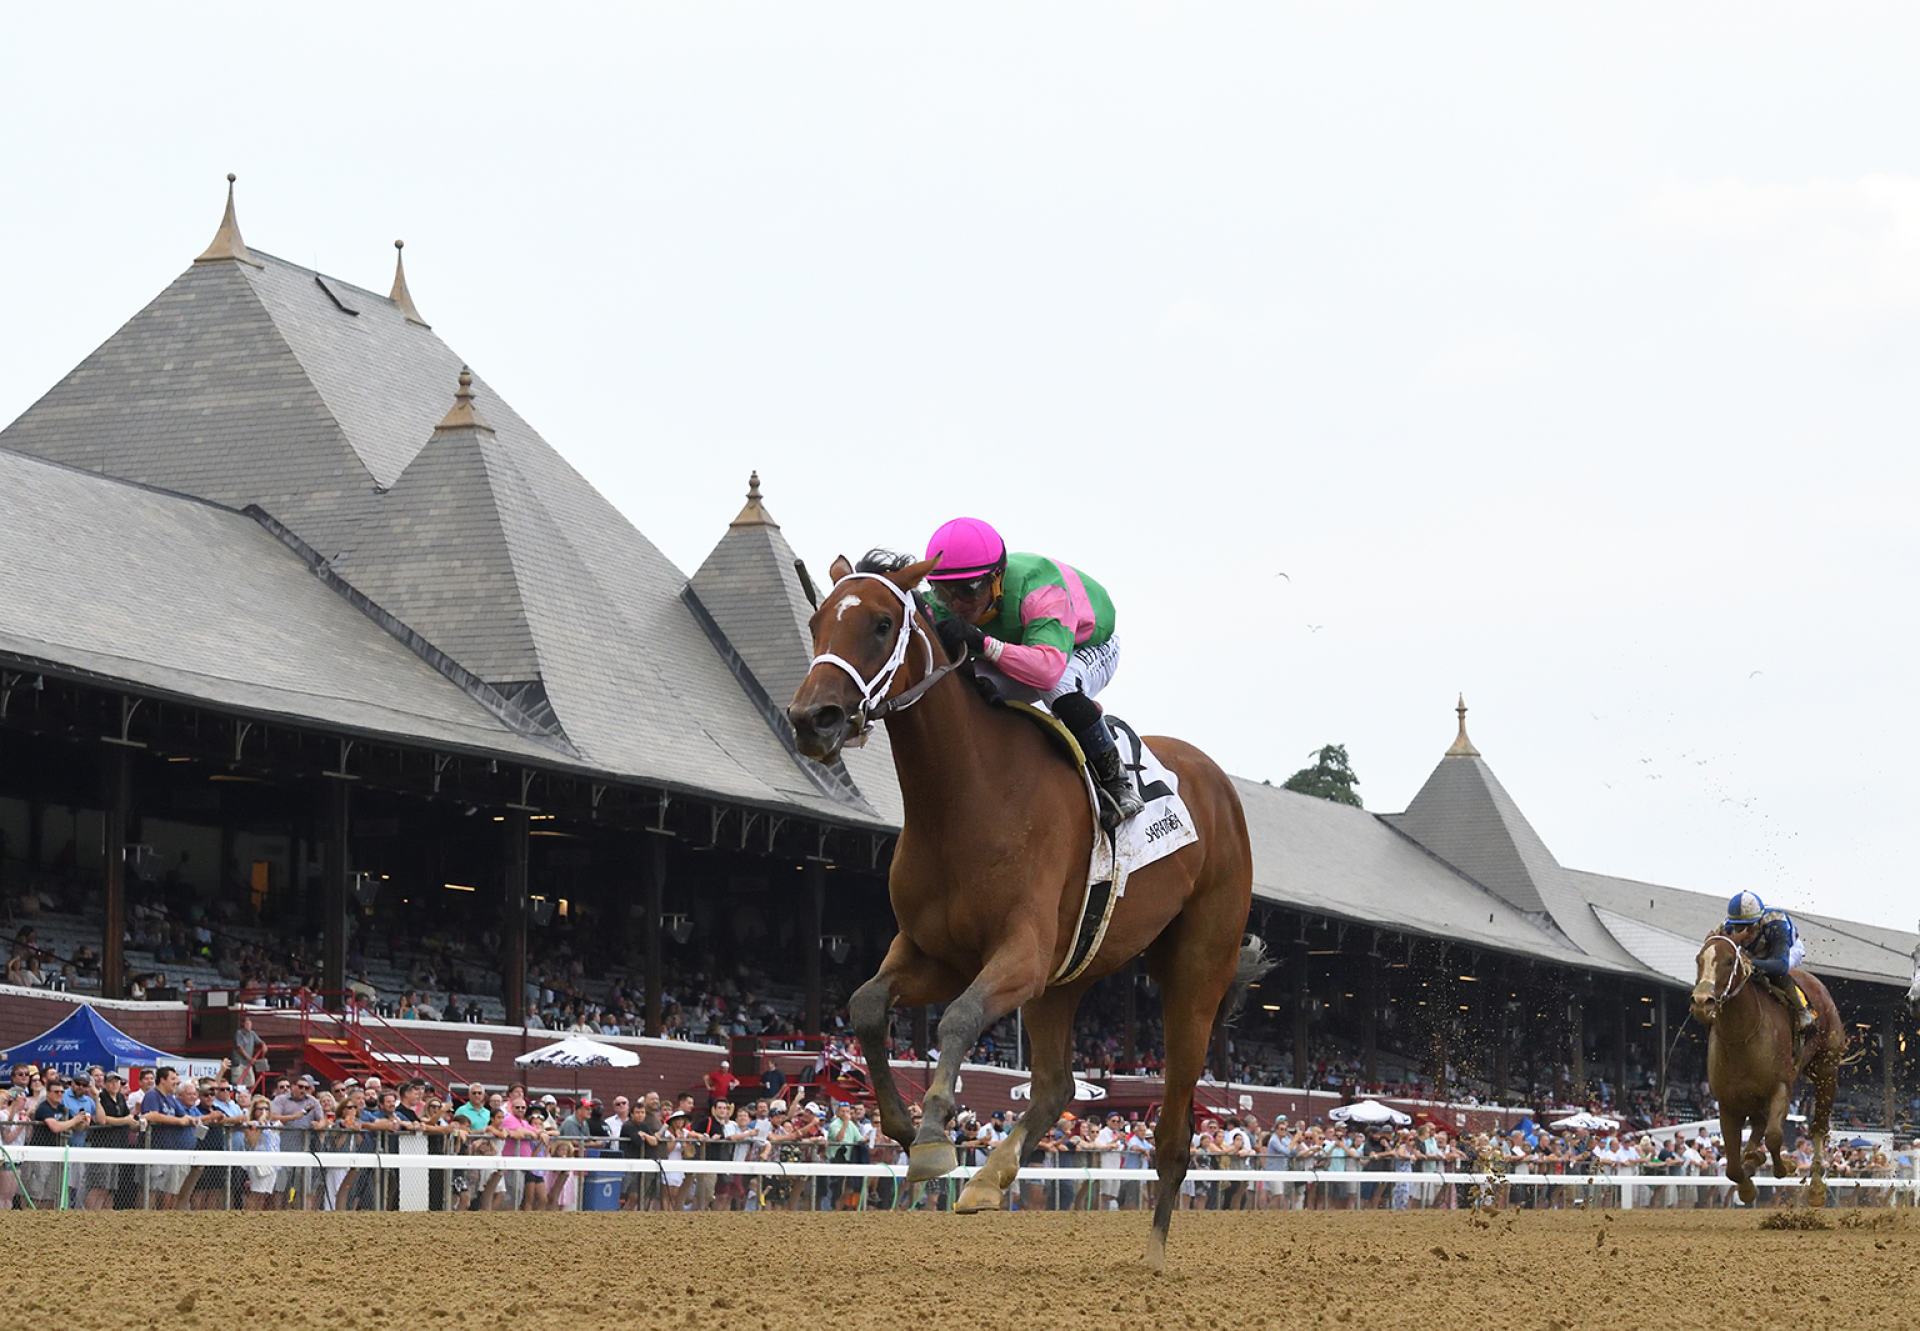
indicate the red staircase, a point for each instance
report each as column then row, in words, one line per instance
column 354, row 1042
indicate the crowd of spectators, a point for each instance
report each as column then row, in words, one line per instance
column 481, row 1126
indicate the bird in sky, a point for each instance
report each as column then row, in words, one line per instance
column 1315, row 628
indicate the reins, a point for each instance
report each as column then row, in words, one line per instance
column 875, row 703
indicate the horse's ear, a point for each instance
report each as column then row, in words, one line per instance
column 912, row 575
column 839, row 568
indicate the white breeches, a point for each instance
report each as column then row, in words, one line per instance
column 1089, row 669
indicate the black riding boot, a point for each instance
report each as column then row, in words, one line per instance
column 1119, row 800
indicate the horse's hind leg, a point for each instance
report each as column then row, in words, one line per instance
column 1049, row 1022
column 1777, row 1132
column 1824, row 1073
column 907, row 977
column 1193, row 962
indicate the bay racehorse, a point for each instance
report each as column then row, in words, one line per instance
column 988, row 877
column 1752, row 1065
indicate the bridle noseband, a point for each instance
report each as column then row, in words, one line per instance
column 874, row 700
column 1742, row 970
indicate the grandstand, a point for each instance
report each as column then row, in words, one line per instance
column 320, row 662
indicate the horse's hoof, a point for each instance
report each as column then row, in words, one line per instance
column 977, row 1196
column 1156, row 1260
column 1816, row 1195
column 932, row 1161
column 1746, row 1192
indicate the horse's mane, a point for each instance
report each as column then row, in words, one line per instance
column 882, row 560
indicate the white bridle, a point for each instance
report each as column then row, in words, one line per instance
column 873, row 691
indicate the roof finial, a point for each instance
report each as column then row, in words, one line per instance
column 755, row 513
column 1462, row 746
column 226, row 241
column 399, row 295
column 464, row 416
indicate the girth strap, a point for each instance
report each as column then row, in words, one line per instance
column 1096, row 913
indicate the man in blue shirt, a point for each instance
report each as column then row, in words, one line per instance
column 169, row 1128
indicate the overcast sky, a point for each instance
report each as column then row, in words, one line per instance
column 1561, row 358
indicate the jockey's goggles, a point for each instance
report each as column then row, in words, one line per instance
column 949, row 590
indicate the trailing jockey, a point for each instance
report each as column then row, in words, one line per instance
column 1039, row 632
column 1773, row 945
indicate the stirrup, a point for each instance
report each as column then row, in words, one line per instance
column 1119, row 801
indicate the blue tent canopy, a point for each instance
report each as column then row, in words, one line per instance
column 79, row 1042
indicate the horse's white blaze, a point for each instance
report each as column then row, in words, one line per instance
column 846, row 603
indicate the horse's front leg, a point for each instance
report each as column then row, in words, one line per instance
column 907, row 977
column 1733, row 1133
column 1012, row 976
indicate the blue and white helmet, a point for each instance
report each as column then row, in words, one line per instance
column 1744, row 908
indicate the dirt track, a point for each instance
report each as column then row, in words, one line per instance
column 1556, row 1270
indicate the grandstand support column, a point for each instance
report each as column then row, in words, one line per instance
column 1302, row 1066
column 1889, row 1054
column 513, row 969
column 1660, row 1034
column 816, row 909
column 117, row 775
column 922, row 1032
column 1370, row 1020
column 333, row 889
column 1620, row 1049
column 656, row 903
column 1577, row 1042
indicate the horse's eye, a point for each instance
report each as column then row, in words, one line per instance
column 884, row 625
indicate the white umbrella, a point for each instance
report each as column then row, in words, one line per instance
column 1368, row 1111
column 1583, row 1121
column 1082, row 1090
column 577, row 1051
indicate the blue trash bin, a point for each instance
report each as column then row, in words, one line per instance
column 600, row 1191
column 602, row 1194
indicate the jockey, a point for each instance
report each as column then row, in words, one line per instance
column 1041, row 632
column 1773, row 945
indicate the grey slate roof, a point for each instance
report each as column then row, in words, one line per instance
column 184, row 598
column 201, row 393
column 262, row 385
column 749, row 586
column 1466, row 817
column 1314, row 855
column 1834, row 947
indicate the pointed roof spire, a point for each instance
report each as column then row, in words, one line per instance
column 226, row 241
column 400, row 295
column 464, row 416
column 755, row 513
column 1462, row 746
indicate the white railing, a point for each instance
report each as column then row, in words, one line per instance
column 1619, row 1188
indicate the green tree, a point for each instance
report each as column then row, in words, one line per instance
column 1328, row 779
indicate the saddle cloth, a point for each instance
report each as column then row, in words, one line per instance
column 1157, row 831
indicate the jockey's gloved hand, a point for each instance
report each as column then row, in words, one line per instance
column 960, row 637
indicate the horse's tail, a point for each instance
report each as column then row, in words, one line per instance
column 1254, row 963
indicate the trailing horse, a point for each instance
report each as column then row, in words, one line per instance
column 988, row 877
column 1752, row 1064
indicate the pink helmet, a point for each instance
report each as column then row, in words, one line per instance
column 967, row 548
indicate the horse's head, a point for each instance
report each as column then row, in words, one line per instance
column 861, row 633
column 1720, row 972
